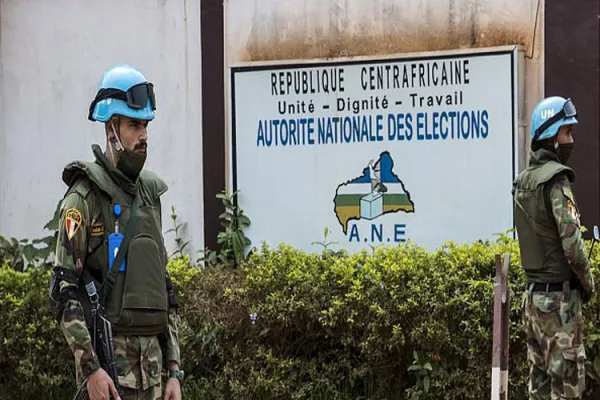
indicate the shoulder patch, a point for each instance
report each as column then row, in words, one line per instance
column 571, row 205
column 569, row 193
column 73, row 222
column 573, row 212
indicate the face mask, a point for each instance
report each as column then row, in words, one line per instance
column 564, row 152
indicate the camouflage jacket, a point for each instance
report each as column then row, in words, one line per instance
column 139, row 358
column 548, row 222
column 567, row 217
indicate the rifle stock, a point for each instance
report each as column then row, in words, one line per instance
column 102, row 340
column 82, row 393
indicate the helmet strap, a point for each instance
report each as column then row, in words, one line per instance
column 115, row 145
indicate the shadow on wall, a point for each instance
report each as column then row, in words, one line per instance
column 362, row 44
column 304, row 29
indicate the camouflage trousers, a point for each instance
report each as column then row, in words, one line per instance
column 153, row 393
column 139, row 366
column 553, row 325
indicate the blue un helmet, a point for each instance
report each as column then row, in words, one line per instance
column 549, row 115
column 123, row 90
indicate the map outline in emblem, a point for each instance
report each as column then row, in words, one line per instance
column 377, row 192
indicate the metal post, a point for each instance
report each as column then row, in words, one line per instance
column 501, row 330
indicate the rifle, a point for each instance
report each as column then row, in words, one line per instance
column 596, row 238
column 102, row 340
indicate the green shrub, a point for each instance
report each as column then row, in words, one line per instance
column 294, row 325
column 395, row 323
column 35, row 360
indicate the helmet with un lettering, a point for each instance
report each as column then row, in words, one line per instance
column 123, row 90
column 549, row 115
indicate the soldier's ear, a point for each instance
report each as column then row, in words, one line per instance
column 109, row 131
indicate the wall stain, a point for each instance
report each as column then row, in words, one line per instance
column 364, row 42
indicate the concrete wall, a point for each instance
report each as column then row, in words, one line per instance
column 52, row 56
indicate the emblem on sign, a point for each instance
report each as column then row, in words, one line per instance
column 72, row 222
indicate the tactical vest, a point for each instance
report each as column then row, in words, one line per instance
column 542, row 255
column 138, row 301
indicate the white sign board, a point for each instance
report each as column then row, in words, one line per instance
column 379, row 151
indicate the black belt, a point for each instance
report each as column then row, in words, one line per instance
column 554, row 287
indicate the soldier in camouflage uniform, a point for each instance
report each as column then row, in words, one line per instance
column 553, row 256
column 141, row 304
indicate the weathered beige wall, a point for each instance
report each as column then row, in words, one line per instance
column 288, row 29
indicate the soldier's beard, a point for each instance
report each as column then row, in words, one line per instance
column 131, row 163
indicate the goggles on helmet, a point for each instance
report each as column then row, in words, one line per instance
column 568, row 110
column 136, row 96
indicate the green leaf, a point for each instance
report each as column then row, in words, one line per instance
column 29, row 252
column 247, row 242
column 227, row 203
column 426, row 384
column 222, row 235
column 244, row 220
column 227, row 216
column 45, row 240
column 52, row 225
column 427, row 366
column 597, row 364
column 238, row 247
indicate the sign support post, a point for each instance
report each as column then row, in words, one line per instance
column 501, row 330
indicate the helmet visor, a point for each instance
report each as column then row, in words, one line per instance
column 569, row 109
column 138, row 96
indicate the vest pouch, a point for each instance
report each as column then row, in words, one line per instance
column 142, row 290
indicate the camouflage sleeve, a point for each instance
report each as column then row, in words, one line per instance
column 567, row 219
column 172, row 352
column 70, row 254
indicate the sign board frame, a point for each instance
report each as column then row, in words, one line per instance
column 516, row 94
